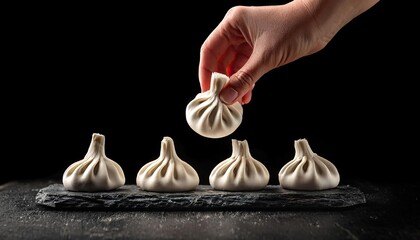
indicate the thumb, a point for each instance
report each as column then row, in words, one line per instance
column 241, row 83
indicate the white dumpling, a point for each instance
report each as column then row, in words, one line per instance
column 168, row 173
column 308, row 171
column 209, row 116
column 240, row 172
column 95, row 172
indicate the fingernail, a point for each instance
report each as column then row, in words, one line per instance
column 228, row 95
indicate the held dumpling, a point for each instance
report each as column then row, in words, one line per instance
column 95, row 172
column 168, row 173
column 240, row 172
column 209, row 116
column 308, row 171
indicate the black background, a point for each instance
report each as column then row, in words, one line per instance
column 128, row 72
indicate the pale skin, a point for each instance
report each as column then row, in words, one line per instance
column 251, row 41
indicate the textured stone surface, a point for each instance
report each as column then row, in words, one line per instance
column 204, row 197
column 391, row 211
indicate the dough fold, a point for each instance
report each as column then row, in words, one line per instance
column 307, row 170
column 168, row 173
column 239, row 172
column 208, row 116
column 95, row 172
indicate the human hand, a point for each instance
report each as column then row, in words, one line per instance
column 250, row 41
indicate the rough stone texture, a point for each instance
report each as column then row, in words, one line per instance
column 204, row 197
column 391, row 211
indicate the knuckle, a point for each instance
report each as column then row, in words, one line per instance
column 245, row 80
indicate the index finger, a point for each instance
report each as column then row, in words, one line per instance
column 213, row 48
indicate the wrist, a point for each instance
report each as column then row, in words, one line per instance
column 331, row 15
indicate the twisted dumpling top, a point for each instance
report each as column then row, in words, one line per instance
column 168, row 173
column 95, row 172
column 308, row 171
column 208, row 116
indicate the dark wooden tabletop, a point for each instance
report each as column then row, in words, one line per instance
column 391, row 211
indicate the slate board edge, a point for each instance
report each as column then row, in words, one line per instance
column 271, row 198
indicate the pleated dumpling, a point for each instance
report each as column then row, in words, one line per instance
column 209, row 116
column 168, row 173
column 308, row 171
column 240, row 172
column 95, row 172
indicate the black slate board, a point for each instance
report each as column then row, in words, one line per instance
column 130, row 197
